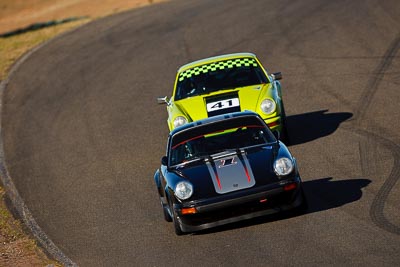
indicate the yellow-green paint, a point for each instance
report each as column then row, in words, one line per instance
column 250, row 97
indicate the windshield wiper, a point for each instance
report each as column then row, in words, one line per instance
column 183, row 164
column 225, row 153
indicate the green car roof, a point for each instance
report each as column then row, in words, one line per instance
column 214, row 59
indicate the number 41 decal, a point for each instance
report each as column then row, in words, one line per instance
column 227, row 103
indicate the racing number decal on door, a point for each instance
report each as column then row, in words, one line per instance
column 222, row 104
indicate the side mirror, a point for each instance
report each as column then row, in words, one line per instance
column 162, row 100
column 164, row 161
column 276, row 76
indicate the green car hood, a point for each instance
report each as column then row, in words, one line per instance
column 195, row 107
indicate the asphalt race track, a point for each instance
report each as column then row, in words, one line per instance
column 83, row 134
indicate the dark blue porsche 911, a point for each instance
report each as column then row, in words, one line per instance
column 225, row 169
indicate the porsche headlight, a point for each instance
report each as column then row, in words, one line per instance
column 183, row 190
column 179, row 121
column 283, row 166
column 268, row 106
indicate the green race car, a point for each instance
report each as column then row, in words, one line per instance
column 225, row 84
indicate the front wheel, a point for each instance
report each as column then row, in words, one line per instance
column 284, row 132
column 303, row 207
column 177, row 224
column 164, row 207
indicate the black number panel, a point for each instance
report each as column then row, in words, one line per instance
column 221, row 104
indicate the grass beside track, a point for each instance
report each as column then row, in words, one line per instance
column 12, row 48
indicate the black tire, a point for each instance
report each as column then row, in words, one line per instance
column 177, row 225
column 284, row 132
column 167, row 216
column 303, row 207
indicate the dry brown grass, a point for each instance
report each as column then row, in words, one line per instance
column 16, row 247
column 12, row 48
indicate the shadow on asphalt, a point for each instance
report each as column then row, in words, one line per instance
column 303, row 128
column 39, row 26
column 322, row 194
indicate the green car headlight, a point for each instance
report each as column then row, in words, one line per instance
column 179, row 121
column 268, row 106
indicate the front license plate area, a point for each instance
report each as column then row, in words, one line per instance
column 222, row 104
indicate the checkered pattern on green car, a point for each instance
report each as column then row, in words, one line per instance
column 227, row 64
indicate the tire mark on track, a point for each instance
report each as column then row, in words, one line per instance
column 378, row 204
column 375, row 80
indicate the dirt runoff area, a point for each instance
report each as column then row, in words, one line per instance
column 17, row 247
column 16, row 14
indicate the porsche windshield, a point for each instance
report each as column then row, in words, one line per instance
column 228, row 74
column 228, row 135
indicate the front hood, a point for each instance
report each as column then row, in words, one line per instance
column 228, row 172
column 224, row 101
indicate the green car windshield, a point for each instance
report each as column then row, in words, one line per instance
column 229, row 135
column 228, row 74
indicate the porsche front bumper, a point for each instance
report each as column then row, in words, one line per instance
column 247, row 206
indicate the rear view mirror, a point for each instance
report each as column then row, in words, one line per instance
column 164, row 161
column 276, row 76
column 162, row 100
